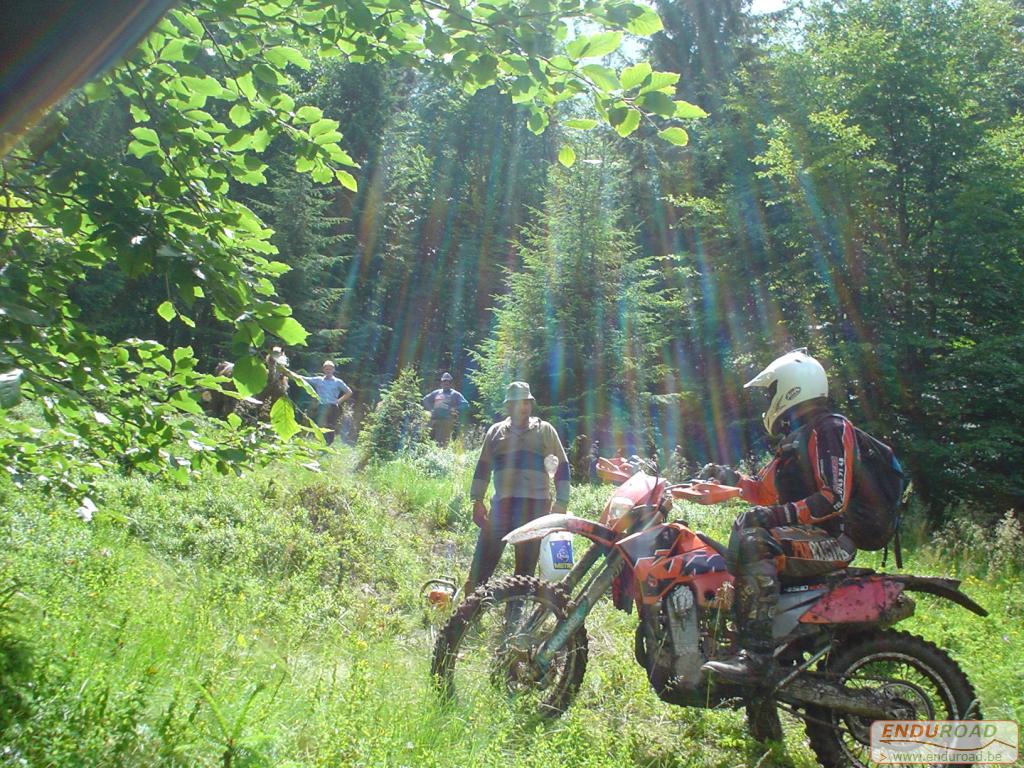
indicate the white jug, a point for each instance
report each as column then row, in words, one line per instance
column 556, row 556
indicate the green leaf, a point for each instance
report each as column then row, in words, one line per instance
column 360, row 16
column 240, row 115
column 238, row 140
column 246, row 86
column 567, row 156
column 250, row 376
column 347, row 180
column 309, row 114
column 183, row 401
column 646, row 24
column 635, row 75
column 288, row 329
column 281, row 55
column 205, row 86
column 602, row 77
column 538, row 121
column 265, row 74
column 629, row 122
column 594, row 46
column 685, row 110
column 190, row 22
column 97, row 90
column 182, row 354
column 659, row 103
column 234, row 420
column 174, row 50
column 331, row 137
column 484, row 69
column 661, row 81
column 580, row 124
column 282, row 418
column 146, row 136
column 166, row 311
column 323, row 126
column 675, row 135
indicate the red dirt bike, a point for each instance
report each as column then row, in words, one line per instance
column 841, row 664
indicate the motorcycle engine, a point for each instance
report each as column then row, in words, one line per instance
column 668, row 645
column 681, row 618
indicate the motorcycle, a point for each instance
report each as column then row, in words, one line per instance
column 841, row 665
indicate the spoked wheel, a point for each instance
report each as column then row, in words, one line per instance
column 919, row 679
column 484, row 656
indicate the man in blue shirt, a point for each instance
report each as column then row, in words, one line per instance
column 332, row 392
column 444, row 405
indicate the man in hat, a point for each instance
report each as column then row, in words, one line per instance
column 444, row 405
column 515, row 450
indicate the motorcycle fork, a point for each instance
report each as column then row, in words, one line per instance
column 582, row 605
column 582, row 567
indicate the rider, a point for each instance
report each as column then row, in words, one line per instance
column 796, row 529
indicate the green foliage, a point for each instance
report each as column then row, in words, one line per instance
column 581, row 320
column 398, row 422
column 839, row 202
column 15, row 658
column 195, row 110
column 277, row 618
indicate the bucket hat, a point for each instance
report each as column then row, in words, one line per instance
column 518, row 390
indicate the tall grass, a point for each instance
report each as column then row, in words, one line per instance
column 276, row 620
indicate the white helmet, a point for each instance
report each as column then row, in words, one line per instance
column 794, row 378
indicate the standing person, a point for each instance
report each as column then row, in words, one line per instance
column 514, row 450
column 332, row 392
column 797, row 529
column 444, row 405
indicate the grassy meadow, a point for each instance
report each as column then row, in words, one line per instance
column 276, row 620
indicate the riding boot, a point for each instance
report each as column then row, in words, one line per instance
column 757, row 594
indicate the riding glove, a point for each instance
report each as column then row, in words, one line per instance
column 763, row 517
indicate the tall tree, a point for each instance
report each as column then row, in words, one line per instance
column 582, row 319
column 897, row 249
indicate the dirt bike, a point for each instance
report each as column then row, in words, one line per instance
column 841, row 666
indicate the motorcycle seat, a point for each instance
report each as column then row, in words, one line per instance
column 824, row 578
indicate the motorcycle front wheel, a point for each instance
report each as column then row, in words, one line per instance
column 919, row 678
column 484, row 655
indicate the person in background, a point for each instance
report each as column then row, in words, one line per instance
column 514, row 450
column 444, row 405
column 331, row 392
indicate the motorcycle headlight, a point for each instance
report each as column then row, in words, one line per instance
column 617, row 507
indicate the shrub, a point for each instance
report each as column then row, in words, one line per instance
column 397, row 423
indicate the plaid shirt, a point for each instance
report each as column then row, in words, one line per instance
column 516, row 457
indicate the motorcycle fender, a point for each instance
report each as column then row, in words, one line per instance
column 941, row 587
column 542, row 526
column 858, row 601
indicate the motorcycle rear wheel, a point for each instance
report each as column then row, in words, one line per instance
column 483, row 655
column 921, row 677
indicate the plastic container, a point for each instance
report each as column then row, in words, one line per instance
column 556, row 558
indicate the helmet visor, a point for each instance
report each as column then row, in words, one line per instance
column 761, row 397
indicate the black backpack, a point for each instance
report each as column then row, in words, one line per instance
column 873, row 516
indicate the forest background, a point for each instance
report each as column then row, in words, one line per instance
column 856, row 188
